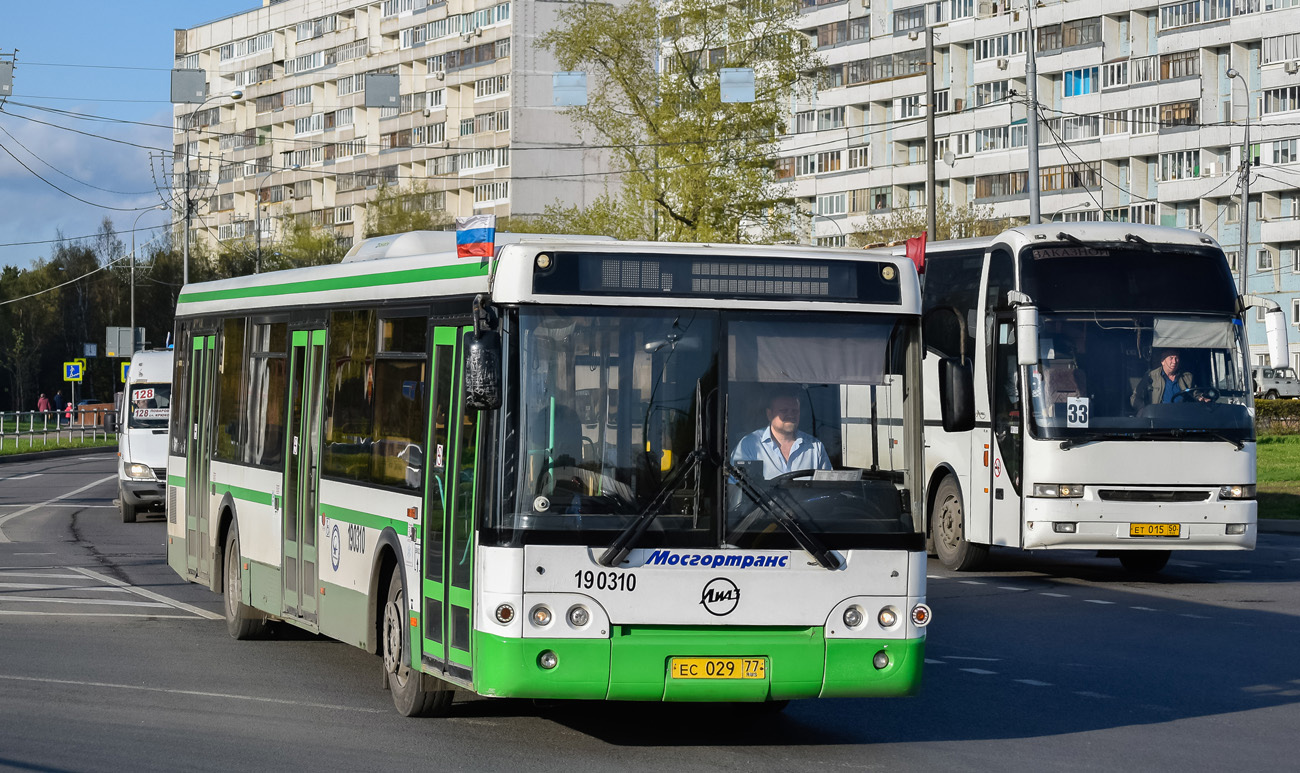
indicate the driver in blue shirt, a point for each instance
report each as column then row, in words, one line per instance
column 780, row 445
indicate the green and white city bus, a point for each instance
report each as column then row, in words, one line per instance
column 525, row 477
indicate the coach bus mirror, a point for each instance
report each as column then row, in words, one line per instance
column 957, row 394
column 483, row 372
column 1027, row 335
column 1275, row 327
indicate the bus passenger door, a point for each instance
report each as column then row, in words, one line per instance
column 302, row 474
column 198, row 485
column 1006, row 401
column 449, row 511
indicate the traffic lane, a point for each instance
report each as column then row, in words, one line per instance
column 36, row 480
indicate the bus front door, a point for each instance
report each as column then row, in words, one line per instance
column 450, row 499
column 302, row 474
column 1007, row 398
column 198, row 485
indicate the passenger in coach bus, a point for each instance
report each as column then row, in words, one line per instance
column 780, row 446
column 1164, row 382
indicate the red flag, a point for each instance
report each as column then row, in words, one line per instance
column 916, row 252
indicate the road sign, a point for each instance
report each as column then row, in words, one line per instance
column 91, row 350
column 126, row 368
column 80, row 361
column 72, row 371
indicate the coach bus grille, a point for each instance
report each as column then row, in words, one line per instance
column 1147, row 495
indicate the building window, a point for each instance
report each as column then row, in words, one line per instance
column 1295, row 311
column 831, row 118
column 1081, row 81
column 1180, row 165
column 1180, row 114
column 1182, row 64
column 828, row 162
column 831, row 204
column 987, row 93
column 859, row 158
column 882, row 199
column 805, row 121
column 1264, row 260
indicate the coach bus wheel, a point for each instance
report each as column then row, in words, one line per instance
column 415, row 694
column 242, row 621
column 948, row 533
column 1144, row 561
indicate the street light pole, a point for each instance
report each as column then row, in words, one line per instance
column 931, row 196
column 1244, row 219
column 1031, row 84
column 189, row 204
column 133, row 227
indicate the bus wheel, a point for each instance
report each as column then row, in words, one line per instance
column 242, row 621
column 1144, row 561
column 947, row 531
column 415, row 694
column 125, row 508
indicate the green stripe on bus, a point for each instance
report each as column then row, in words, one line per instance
column 433, row 589
column 246, row 494
column 300, row 338
column 176, row 480
column 369, row 520
column 444, row 336
column 459, row 657
column 458, row 271
column 459, row 597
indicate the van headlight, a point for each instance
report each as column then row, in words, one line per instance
column 137, row 471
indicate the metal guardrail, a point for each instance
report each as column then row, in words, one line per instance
column 38, row 429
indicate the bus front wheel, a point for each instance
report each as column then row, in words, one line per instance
column 415, row 694
column 948, row 531
column 1144, row 561
column 242, row 621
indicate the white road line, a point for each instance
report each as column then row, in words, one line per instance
column 1010, row 587
column 1055, row 595
column 972, row 582
column 4, row 573
column 1194, row 617
column 47, row 586
column 88, row 602
column 1143, row 609
column 1034, row 682
column 29, row 613
column 1097, row 601
column 970, row 657
column 196, row 693
column 26, row 477
column 6, row 518
column 149, row 594
column 979, row 671
column 1088, row 694
column 934, row 662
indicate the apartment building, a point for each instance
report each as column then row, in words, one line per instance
column 475, row 124
column 1140, row 121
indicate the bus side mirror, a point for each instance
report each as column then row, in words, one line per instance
column 1275, row 329
column 957, row 394
column 1027, row 335
column 483, row 372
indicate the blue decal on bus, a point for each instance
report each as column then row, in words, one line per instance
column 669, row 558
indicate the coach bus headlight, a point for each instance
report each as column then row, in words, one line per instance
column 541, row 615
column 1065, row 527
column 1236, row 492
column 505, row 613
column 887, row 617
column 1236, row 528
column 1058, row 490
column 853, row 616
column 141, row 471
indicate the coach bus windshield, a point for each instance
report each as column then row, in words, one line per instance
column 624, row 412
column 1139, row 376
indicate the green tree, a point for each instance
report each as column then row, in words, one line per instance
column 695, row 168
column 950, row 222
column 396, row 210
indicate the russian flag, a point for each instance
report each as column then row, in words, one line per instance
column 476, row 236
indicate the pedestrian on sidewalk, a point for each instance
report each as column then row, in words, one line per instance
column 59, row 403
column 43, row 404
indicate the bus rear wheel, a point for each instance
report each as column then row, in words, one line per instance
column 242, row 621
column 415, row 694
column 1144, row 561
column 948, row 532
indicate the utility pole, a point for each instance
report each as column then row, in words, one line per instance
column 930, row 193
column 1031, row 81
column 1244, row 219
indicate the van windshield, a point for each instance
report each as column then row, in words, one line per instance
column 150, row 406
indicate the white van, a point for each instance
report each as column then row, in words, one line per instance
column 1272, row 383
column 145, row 408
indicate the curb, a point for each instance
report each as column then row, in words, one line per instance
column 55, row 453
column 1278, row 526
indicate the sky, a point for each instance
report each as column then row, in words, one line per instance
column 109, row 60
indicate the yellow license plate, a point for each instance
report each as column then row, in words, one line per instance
column 718, row 668
column 1153, row 529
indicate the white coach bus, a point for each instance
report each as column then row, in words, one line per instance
column 1107, row 381
column 532, row 476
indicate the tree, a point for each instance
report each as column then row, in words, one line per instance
column 695, row 168
column 608, row 215
column 951, row 222
column 396, row 210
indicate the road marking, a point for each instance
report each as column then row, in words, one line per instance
column 1034, row 683
column 1055, row 595
column 26, row 477
column 151, row 615
column 970, row 657
column 91, row 602
column 6, row 518
column 1010, row 587
column 1194, row 617
column 1097, row 601
column 973, row 582
column 196, row 693
column 1143, row 609
column 979, row 671
column 4, row 573
column 934, row 662
column 47, row 586
column 1088, row 694
column 149, row 594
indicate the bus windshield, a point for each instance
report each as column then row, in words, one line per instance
column 709, row 421
column 1148, row 376
column 150, row 406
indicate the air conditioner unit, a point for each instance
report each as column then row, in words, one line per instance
column 1002, row 64
column 478, row 32
column 440, row 75
column 1210, row 170
column 958, row 105
column 1292, row 67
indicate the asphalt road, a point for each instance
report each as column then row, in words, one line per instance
column 109, row 661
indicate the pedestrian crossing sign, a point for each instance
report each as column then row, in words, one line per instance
column 72, row 371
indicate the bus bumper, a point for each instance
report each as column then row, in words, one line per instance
column 633, row 664
column 1099, row 525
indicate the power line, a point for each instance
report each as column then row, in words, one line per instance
column 76, row 238
column 65, row 192
column 65, row 284
column 65, row 174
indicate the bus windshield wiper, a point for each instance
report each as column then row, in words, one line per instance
column 1094, row 437
column 1174, row 434
column 630, row 536
column 1182, row 433
column 783, row 515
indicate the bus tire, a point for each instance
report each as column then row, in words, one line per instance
column 1144, row 561
column 242, row 621
column 947, row 531
column 125, row 508
column 415, row 694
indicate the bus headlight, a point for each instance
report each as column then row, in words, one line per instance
column 853, row 616
column 887, row 617
column 1059, row 490
column 1236, row 528
column 1237, row 492
column 541, row 615
column 138, row 471
column 505, row 613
